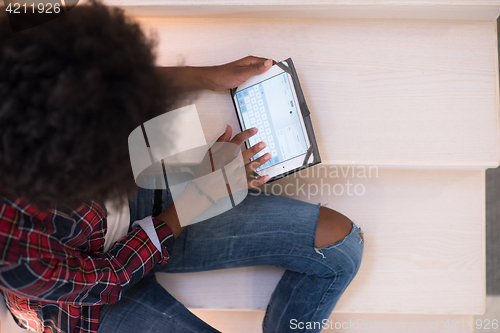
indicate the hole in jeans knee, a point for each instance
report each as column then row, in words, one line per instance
column 332, row 228
column 338, row 242
column 361, row 238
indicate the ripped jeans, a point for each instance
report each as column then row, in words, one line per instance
column 263, row 230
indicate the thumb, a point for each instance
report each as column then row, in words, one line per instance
column 262, row 66
column 226, row 135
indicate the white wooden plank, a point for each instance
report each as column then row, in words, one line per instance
column 424, row 246
column 402, row 93
column 378, row 9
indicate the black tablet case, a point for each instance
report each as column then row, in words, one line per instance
column 287, row 66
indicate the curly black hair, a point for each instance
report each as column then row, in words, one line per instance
column 71, row 91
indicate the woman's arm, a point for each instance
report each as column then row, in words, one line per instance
column 217, row 78
column 46, row 259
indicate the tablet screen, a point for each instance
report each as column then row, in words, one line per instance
column 270, row 106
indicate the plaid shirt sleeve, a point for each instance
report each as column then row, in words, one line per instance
column 56, row 256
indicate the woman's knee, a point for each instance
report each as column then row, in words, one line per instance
column 339, row 241
column 332, row 227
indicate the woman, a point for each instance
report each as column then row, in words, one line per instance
column 71, row 91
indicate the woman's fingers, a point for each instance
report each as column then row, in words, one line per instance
column 251, row 166
column 243, row 136
column 248, row 153
column 226, row 136
column 257, row 182
column 255, row 164
column 251, row 66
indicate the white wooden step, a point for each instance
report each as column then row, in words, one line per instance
column 372, row 9
column 424, row 247
column 382, row 92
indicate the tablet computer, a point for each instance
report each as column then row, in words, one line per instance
column 274, row 103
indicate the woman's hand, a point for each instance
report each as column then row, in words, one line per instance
column 235, row 73
column 191, row 202
column 247, row 154
column 221, row 156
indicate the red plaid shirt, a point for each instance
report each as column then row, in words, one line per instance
column 53, row 272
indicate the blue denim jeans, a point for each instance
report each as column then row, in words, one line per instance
column 263, row 230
